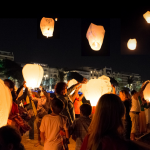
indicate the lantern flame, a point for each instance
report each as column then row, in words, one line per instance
column 147, row 16
column 132, row 44
column 95, row 36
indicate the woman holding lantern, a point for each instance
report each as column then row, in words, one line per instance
column 62, row 93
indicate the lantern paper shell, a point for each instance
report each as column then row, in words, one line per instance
column 95, row 35
column 147, row 16
column 33, row 75
column 146, row 92
column 95, row 88
column 47, row 26
column 56, row 19
column 132, row 44
column 5, row 103
column 72, row 82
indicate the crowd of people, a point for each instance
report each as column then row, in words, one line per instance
column 115, row 124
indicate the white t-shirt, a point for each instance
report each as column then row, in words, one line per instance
column 51, row 125
column 135, row 105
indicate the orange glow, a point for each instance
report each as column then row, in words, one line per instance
column 132, row 44
column 147, row 16
column 146, row 92
column 95, row 35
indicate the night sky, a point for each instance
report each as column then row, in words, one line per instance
column 22, row 36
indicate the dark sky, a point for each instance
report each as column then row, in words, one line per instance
column 21, row 35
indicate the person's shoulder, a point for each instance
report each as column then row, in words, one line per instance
column 63, row 116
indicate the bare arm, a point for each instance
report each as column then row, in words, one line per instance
column 42, row 135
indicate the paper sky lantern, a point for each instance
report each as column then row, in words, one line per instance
column 47, row 26
column 5, row 103
column 56, row 19
column 147, row 16
column 95, row 88
column 132, row 44
column 95, row 36
column 146, row 92
column 72, row 82
column 33, row 75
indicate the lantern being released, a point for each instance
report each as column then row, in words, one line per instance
column 95, row 88
column 5, row 103
column 47, row 26
column 146, row 92
column 72, row 82
column 147, row 16
column 95, row 36
column 33, row 75
column 132, row 44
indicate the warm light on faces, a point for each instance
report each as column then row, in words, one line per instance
column 122, row 96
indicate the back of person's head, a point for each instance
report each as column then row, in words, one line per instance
column 133, row 92
column 10, row 137
column 86, row 109
column 57, row 105
column 106, row 120
column 126, row 94
column 10, row 83
column 59, row 87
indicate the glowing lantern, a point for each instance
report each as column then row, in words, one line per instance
column 47, row 26
column 56, row 19
column 72, row 82
column 5, row 103
column 95, row 36
column 147, row 16
column 95, row 88
column 132, row 44
column 33, row 75
column 146, row 92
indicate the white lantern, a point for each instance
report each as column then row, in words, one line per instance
column 95, row 36
column 147, row 16
column 33, row 75
column 146, row 92
column 5, row 103
column 56, row 19
column 47, row 26
column 72, row 82
column 95, row 88
column 132, row 44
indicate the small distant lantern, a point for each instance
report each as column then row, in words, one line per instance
column 56, row 19
column 147, row 16
column 95, row 35
column 146, row 92
column 47, row 26
column 33, row 75
column 132, row 44
column 5, row 103
column 95, row 88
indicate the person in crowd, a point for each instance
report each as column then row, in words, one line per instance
column 126, row 99
column 14, row 118
column 10, row 139
column 62, row 93
column 52, row 125
column 106, row 128
column 135, row 110
column 41, row 111
column 79, row 128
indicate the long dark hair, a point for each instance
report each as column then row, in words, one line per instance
column 107, row 119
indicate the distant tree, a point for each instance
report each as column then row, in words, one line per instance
column 11, row 69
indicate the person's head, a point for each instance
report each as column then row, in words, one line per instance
column 85, row 109
column 57, row 105
column 107, row 119
column 9, row 84
column 61, row 88
column 133, row 92
column 10, row 139
column 124, row 94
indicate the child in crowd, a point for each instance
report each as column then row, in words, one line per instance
column 51, row 126
column 79, row 128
